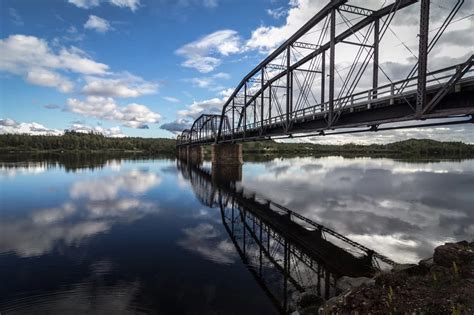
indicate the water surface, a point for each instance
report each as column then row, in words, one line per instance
column 139, row 236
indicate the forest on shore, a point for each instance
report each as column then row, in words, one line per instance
column 75, row 142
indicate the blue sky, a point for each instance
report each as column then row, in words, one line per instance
column 137, row 67
column 138, row 44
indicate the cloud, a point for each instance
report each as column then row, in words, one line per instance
column 113, row 132
column 209, row 106
column 15, row 17
column 134, row 182
column 87, row 4
column 33, row 59
column 208, row 242
column 204, row 54
column 210, row 82
column 119, row 85
column 210, row 3
column 51, row 106
column 132, row 115
column 10, row 126
column 267, row 38
column 177, row 126
column 171, row 99
column 359, row 197
column 42, row 231
column 98, row 24
column 277, row 13
column 131, row 4
column 48, row 78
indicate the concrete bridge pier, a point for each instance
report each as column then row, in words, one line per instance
column 183, row 153
column 227, row 160
column 194, row 154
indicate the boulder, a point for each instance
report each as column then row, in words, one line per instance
column 347, row 283
column 427, row 262
column 462, row 253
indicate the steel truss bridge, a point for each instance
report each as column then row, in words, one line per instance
column 294, row 91
column 284, row 251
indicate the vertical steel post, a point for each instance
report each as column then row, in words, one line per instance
column 270, row 103
column 233, row 117
column 245, row 233
column 332, row 56
column 288, row 79
column 422, row 55
column 261, row 100
column 261, row 243
column 375, row 74
column 245, row 108
column 254, row 112
column 323, row 79
column 286, row 271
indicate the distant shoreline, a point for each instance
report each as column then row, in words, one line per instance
column 80, row 143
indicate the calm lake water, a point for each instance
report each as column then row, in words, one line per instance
column 153, row 236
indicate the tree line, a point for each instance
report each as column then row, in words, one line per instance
column 77, row 141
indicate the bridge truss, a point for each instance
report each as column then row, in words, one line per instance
column 294, row 91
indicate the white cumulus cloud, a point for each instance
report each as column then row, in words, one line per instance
column 204, row 54
column 10, row 126
column 87, row 4
column 132, row 115
column 33, row 59
column 119, row 85
column 98, row 24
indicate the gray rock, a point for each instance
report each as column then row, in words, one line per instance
column 347, row 283
column 427, row 262
column 461, row 253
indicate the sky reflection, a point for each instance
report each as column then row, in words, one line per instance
column 136, row 230
column 400, row 209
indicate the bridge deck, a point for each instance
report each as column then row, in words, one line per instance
column 361, row 112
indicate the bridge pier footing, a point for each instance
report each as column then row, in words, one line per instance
column 226, row 154
column 194, row 154
column 183, row 153
column 227, row 160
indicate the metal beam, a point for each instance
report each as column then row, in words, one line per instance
column 355, row 10
column 375, row 73
column 332, row 56
column 422, row 55
column 288, row 82
column 305, row 45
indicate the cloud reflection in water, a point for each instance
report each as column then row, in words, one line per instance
column 398, row 208
column 96, row 205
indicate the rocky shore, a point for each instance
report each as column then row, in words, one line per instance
column 442, row 284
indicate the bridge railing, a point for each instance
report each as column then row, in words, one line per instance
column 391, row 91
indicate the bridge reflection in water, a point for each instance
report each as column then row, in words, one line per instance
column 285, row 252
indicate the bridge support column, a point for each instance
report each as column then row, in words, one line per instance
column 227, row 154
column 194, row 154
column 183, row 153
column 227, row 160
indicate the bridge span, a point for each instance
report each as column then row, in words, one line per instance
column 297, row 91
